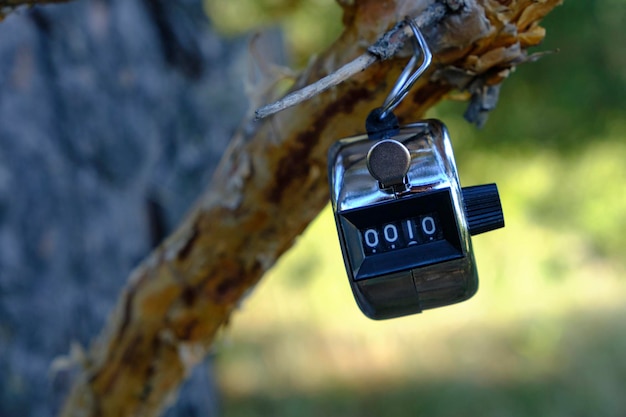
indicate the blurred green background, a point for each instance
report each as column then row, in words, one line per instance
column 546, row 333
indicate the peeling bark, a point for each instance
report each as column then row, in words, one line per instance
column 270, row 184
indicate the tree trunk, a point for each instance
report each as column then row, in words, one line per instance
column 113, row 115
column 271, row 183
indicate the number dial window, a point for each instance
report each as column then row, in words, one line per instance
column 401, row 234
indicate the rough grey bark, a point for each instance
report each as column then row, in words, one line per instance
column 113, row 114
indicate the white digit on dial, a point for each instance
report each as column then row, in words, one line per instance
column 371, row 238
column 391, row 233
column 409, row 228
column 428, row 225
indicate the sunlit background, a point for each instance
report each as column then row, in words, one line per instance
column 546, row 333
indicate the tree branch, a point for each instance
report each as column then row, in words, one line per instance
column 269, row 185
column 385, row 48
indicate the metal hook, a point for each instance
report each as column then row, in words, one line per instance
column 406, row 78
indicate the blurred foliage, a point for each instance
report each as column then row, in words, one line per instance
column 545, row 335
column 308, row 25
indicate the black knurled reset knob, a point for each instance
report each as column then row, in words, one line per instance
column 482, row 208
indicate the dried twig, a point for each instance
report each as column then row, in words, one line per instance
column 311, row 90
column 386, row 47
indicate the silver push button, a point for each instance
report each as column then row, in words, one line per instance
column 388, row 161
